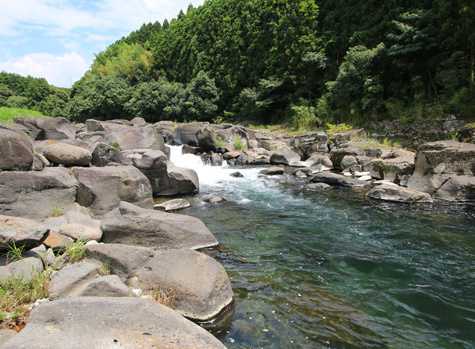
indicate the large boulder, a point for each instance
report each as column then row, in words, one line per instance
column 139, row 137
column 228, row 133
column 157, row 230
column 72, row 279
column 34, row 194
column 21, row 232
column 201, row 284
column 101, row 189
column 166, row 178
column 106, row 155
column 309, row 143
column 27, row 268
column 387, row 192
column 66, row 154
column 459, row 188
column 40, row 128
column 437, row 162
column 108, row 322
column 396, row 170
column 284, row 156
column 337, row 180
column 16, row 150
column 165, row 129
column 197, row 134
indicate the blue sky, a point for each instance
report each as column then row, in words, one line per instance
column 57, row 39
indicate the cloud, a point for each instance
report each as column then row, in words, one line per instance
column 59, row 71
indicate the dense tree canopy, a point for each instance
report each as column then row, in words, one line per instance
column 276, row 60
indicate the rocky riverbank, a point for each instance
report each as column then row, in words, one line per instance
column 61, row 182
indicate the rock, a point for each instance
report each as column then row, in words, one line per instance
column 105, row 155
column 261, row 161
column 40, row 128
column 94, row 125
column 317, row 187
column 106, row 286
column 138, row 121
column 66, row 154
column 272, row 171
column 228, row 133
column 215, row 200
column 467, row 133
column 98, row 322
column 5, row 335
column 139, row 137
column 76, row 231
column 21, row 232
column 173, row 205
column 284, row 156
column 57, row 241
column 166, row 178
column 165, row 129
column 393, row 169
column 459, row 188
column 231, row 155
column 216, row 159
column 101, row 189
column 348, row 161
column 338, row 180
column 309, row 143
column 72, row 279
column 197, row 134
column 123, row 260
column 34, row 194
column 398, row 194
column 237, row 175
column 354, row 149
column 201, row 284
column 320, row 162
column 157, row 230
column 16, row 150
column 27, row 268
column 206, row 139
column 437, row 162
column 299, row 174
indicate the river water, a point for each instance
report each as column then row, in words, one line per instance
column 334, row 270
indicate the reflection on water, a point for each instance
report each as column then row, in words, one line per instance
column 333, row 270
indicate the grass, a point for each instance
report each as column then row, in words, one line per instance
column 162, row 296
column 14, row 252
column 238, row 143
column 219, row 142
column 114, row 144
column 75, row 251
column 7, row 114
column 57, row 211
column 338, row 128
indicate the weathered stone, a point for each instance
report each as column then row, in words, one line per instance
column 459, row 188
column 206, row 139
column 355, row 149
column 308, row 143
column 173, row 205
column 105, row 155
column 437, row 162
column 398, row 194
column 72, row 279
column 187, row 133
column 98, row 322
column 228, row 133
column 284, row 156
column 94, row 125
column 139, row 137
column 57, row 241
column 34, row 194
column 237, row 175
column 165, row 129
column 26, row 268
column 76, row 231
column 201, row 284
column 138, row 121
column 317, row 187
column 22, row 232
column 158, row 230
column 123, row 260
column 338, row 180
column 215, row 200
column 231, row 155
column 272, row 171
column 319, row 161
column 102, row 188
column 5, row 335
column 392, row 169
column 106, row 286
column 348, row 161
column 467, row 133
column 16, row 150
column 66, row 154
column 40, row 128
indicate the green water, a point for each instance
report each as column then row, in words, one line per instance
column 334, row 270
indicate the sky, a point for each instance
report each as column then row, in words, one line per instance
column 57, row 39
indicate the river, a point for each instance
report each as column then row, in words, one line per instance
column 334, row 270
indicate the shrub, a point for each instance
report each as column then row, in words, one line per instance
column 238, row 143
column 219, row 142
column 338, row 128
column 304, row 118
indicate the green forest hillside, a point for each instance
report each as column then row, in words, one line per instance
column 308, row 61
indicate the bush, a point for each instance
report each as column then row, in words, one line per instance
column 304, row 118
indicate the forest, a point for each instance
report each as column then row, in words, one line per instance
column 304, row 63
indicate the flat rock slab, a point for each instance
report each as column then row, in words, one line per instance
column 394, row 193
column 72, row 278
column 201, row 284
column 338, row 180
column 272, row 171
column 20, row 231
column 106, row 286
column 173, row 205
column 98, row 322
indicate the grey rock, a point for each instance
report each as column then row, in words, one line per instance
column 123, row 260
column 173, row 205
column 309, row 143
column 40, row 128
column 5, row 335
column 284, row 156
column 67, row 154
column 101, row 189
column 337, row 180
column 398, row 194
column 138, row 121
column 320, row 161
column 317, row 187
column 197, row 134
column 16, row 150
column 94, row 125
column 72, row 279
column 215, row 200
column 34, row 194
column 206, row 139
column 105, row 286
column 77, row 230
column 392, row 169
column 272, row 171
column 237, row 175
column 22, row 232
column 459, row 188
column 201, row 284
column 27, row 268
column 139, row 137
column 98, row 322
column 348, row 161
column 104, row 155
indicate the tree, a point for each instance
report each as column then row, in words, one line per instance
column 201, row 98
column 108, row 97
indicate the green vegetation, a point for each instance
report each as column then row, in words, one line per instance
column 6, row 114
column 14, row 252
column 57, row 211
column 238, row 143
column 219, row 142
column 114, row 144
column 340, row 128
column 75, row 251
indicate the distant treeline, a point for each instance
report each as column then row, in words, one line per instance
column 307, row 62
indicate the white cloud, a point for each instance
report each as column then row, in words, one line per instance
column 57, row 70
